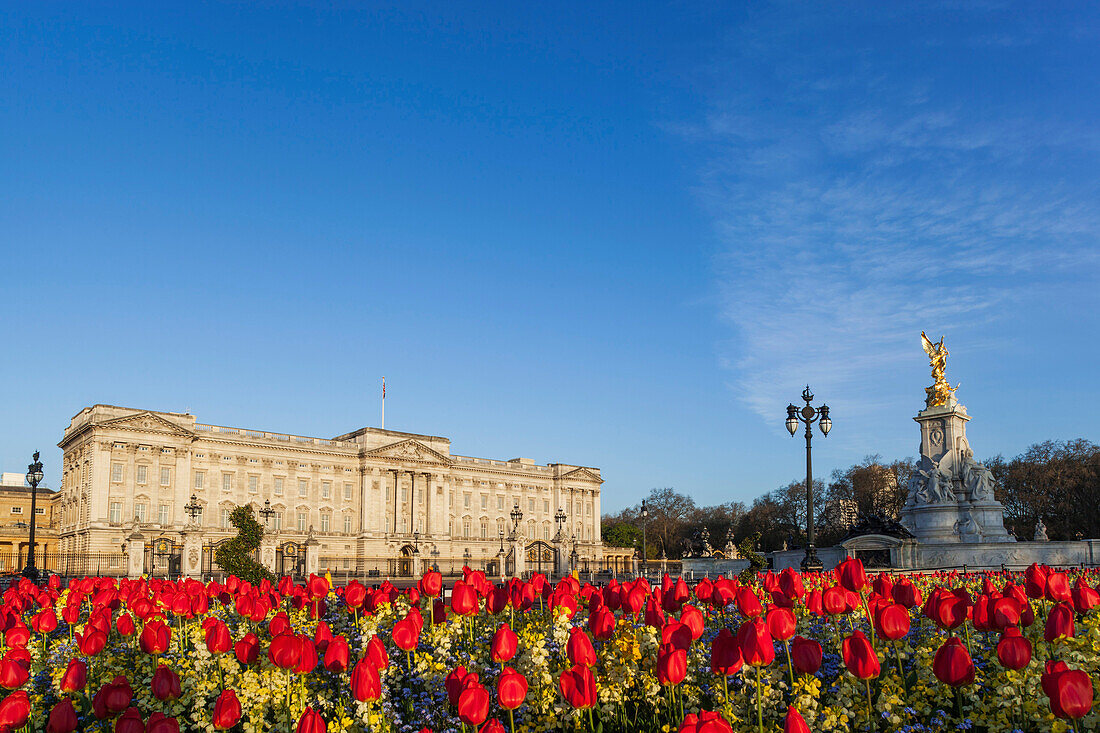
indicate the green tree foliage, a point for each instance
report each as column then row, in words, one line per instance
column 620, row 534
column 747, row 550
column 235, row 556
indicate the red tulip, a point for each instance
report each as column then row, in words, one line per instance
column 892, row 622
column 1059, row 622
column 125, row 625
column 62, row 718
column 952, row 664
column 456, row 682
column 1057, row 587
column 311, row 721
column 160, row 723
column 757, row 648
column 1035, row 581
column 247, row 650
column 406, row 634
column 906, row 594
column 1069, row 690
column 834, row 601
column 17, row 636
column 431, row 584
column 91, row 642
column 781, row 623
column 165, row 684
column 130, row 722
column 285, row 651
column 794, row 722
column 44, row 621
column 579, row 648
column 850, row 575
column 676, row 634
column 725, row 654
column 504, row 644
column 511, row 689
column 859, row 656
column 601, row 623
column 337, row 655
column 473, row 704
column 464, row 600
column 578, row 686
column 692, row 618
column 705, row 722
column 366, row 684
column 376, row 652
column 12, row 673
column 747, row 602
column 227, row 710
column 1085, row 598
column 318, row 586
column 806, row 655
column 15, row 710
column 671, row 665
column 116, row 695
column 155, row 637
column 948, row 611
column 491, row 726
column 308, row 660
column 1013, row 650
column 218, row 639
column 75, row 677
column 790, row 582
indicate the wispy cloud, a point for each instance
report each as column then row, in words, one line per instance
column 860, row 202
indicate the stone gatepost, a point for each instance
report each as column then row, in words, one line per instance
column 191, row 562
column 135, row 555
column 267, row 552
column 313, row 554
column 519, row 556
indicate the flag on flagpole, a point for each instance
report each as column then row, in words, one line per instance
column 383, row 388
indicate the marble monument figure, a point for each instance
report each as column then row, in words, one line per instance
column 951, row 494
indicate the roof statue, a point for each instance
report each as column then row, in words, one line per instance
column 941, row 392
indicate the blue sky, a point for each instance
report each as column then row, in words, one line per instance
column 622, row 237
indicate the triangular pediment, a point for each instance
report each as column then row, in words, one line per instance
column 582, row 474
column 409, row 450
column 146, row 422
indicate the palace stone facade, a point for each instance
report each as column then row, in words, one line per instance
column 130, row 473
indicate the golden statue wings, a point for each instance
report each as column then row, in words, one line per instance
column 940, row 392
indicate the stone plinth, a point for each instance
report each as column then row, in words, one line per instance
column 191, row 560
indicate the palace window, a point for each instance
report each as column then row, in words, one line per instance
column 500, row 527
column 39, row 510
column 326, row 489
column 546, row 506
column 199, row 477
column 253, row 484
column 347, row 492
column 466, row 528
column 347, row 524
column 164, row 514
column 500, row 502
column 165, row 476
column 303, row 487
column 484, row 501
column 227, row 482
column 278, row 487
column 484, row 529
column 17, row 510
column 139, row 513
column 324, row 521
column 115, row 515
column 142, row 472
column 277, row 521
column 546, row 531
column 301, row 521
column 466, row 501
column 116, row 472
column 404, row 494
column 531, row 505
column 199, row 516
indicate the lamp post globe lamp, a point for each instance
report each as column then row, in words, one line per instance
column 34, row 477
column 808, row 415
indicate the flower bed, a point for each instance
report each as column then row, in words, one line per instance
column 832, row 652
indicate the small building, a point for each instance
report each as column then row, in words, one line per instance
column 15, row 518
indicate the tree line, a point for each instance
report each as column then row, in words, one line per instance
column 1058, row 481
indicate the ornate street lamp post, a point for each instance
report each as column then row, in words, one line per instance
column 645, row 521
column 266, row 513
column 193, row 508
column 517, row 516
column 416, row 541
column 559, row 520
column 34, row 477
column 808, row 415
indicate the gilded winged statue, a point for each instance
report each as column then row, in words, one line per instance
column 940, row 392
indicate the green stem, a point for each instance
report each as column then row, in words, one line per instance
column 759, row 702
column 870, row 719
column 790, row 666
column 901, row 671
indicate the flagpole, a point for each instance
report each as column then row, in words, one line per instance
column 383, row 403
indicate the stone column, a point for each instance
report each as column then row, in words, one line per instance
column 135, row 555
column 267, row 551
column 191, row 562
column 427, row 504
column 396, row 497
column 412, row 501
column 519, row 554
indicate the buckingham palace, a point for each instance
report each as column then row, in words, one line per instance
column 162, row 481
